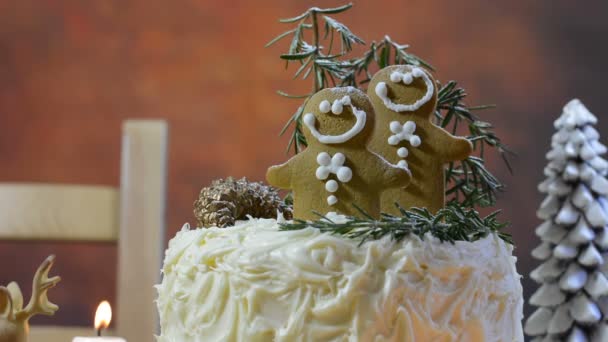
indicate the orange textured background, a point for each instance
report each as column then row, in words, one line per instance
column 72, row 71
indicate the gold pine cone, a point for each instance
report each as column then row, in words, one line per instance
column 227, row 200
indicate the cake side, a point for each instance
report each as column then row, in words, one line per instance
column 252, row 282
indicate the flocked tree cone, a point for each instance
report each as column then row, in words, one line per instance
column 227, row 200
column 572, row 298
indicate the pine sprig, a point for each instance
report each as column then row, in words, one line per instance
column 450, row 224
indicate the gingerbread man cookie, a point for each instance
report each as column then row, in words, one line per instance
column 337, row 170
column 404, row 99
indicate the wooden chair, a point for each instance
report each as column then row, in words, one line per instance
column 133, row 215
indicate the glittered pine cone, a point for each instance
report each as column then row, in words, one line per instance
column 227, row 200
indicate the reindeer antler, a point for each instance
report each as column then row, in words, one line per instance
column 39, row 302
column 6, row 303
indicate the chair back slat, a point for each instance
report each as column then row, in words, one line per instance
column 142, row 232
column 31, row 211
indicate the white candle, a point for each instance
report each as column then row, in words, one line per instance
column 103, row 316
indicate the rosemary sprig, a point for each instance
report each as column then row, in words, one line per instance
column 469, row 182
column 453, row 223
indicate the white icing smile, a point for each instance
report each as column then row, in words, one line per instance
column 406, row 78
column 336, row 108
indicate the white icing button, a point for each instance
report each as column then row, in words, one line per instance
column 324, row 106
column 403, row 132
column 323, row 158
column 409, row 127
column 322, row 173
column 338, row 159
column 346, row 100
column 345, row 174
column 331, row 200
column 331, row 185
column 402, row 152
column 415, row 140
column 395, row 127
column 402, row 164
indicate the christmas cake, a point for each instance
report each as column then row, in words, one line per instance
column 379, row 237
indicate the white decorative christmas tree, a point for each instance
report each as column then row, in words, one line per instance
column 572, row 299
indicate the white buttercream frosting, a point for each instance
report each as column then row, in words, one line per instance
column 252, row 282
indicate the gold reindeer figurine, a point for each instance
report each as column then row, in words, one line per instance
column 14, row 318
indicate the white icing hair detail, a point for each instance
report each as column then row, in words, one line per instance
column 407, row 78
column 360, row 115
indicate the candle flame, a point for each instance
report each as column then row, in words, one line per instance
column 103, row 315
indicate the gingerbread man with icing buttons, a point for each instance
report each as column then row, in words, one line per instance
column 337, row 169
column 404, row 98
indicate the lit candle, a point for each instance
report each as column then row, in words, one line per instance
column 103, row 317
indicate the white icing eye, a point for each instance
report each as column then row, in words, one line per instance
column 393, row 140
column 407, row 78
column 402, row 152
column 415, row 140
column 337, row 107
column 381, row 89
column 396, row 77
column 309, row 119
column 338, row 159
column 345, row 174
column 346, row 100
column 331, row 200
column 409, row 127
column 323, row 158
column 395, row 127
column 331, row 186
column 402, row 164
column 322, row 173
column 324, row 106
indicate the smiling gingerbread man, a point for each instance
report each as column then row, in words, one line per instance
column 337, row 170
column 404, row 98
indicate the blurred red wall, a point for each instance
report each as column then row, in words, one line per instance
column 72, row 71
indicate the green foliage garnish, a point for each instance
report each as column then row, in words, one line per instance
column 450, row 224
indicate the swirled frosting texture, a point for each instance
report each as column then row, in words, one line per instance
column 252, row 282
